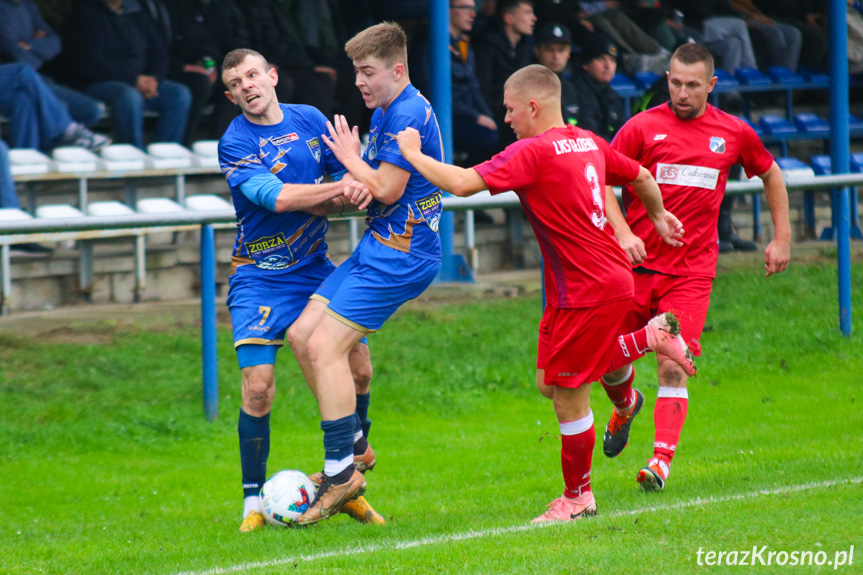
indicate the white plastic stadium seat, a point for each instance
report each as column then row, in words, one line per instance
column 207, row 203
column 28, row 161
column 166, row 155
column 157, row 206
column 206, row 153
column 56, row 211
column 109, row 208
column 14, row 215
column 122, row 157
column 74, row 159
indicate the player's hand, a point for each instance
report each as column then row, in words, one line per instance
column 409, row 141
column 633, row 246
column 358, row 195
column 343, row 141
column 669, row 228
column 776, row 257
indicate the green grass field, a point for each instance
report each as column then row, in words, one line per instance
column 108, row 465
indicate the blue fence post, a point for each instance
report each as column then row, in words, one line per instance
column 839, row 153
column 454, row 268
column 208, row 322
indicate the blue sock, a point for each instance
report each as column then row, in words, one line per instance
column 338, row 446
column 361, row 444
column 363, row 412
column 254, row 435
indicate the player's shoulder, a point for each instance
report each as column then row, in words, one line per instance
column 302, row 112
column 411, row 104
column 236, row 134
column 723, row 117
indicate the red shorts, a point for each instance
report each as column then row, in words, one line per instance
column 687, row 297
column 576, row 344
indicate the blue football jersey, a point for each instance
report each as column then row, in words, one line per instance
column 294, row 152
column 411, row 224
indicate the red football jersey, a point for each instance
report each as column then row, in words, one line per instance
column 690, row 160
column 560, row 178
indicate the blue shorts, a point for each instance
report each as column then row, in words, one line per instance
column 373, row 283
column 263, row 307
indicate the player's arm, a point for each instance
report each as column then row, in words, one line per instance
column 631, row 243
column 778, row 252
column 667, row 225
column 453, row 179
column 386, row 184
column 268, row 191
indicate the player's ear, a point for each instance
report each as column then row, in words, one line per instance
column 230, row 97
column 398, row 71
column 274, row 76
column 711, row 84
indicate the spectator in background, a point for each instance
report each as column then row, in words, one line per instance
column 9, row 200
column 500, row 51
column 639, row 51
column 37, row 119
column 553, row 49
column 113, row 50
column 775, row 43
column 192, row 50
column 323, row 33
column 724, row 31
column 275, row 34
column 808, row 17
column 8, row 197
column 600, row 108
column 228, row 26
column 27, row 38
column 474, row 130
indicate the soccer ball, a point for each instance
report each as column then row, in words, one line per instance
column 286, row 496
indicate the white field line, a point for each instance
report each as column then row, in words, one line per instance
column 242, row 567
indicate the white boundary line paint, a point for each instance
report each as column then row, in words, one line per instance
column 514, row 529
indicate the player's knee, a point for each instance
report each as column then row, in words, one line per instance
column 362, row 377
column 547, row 391
column 361, row 368
column 298, row 339
column 258, row 395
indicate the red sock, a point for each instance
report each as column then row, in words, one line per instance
column 620, row 393
column 576, row 455
column 629, row 348
column 668, row 417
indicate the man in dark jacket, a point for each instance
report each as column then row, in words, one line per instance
column 553, row 49
column 115, row 53
column 193, row 52
column 474, row 130
column 600, row 108
column 500, row 51
column 276, row 33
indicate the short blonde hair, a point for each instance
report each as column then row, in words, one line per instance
column 385, row 41
column 541, row 82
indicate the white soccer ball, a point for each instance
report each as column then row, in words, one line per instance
column 286, row 496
